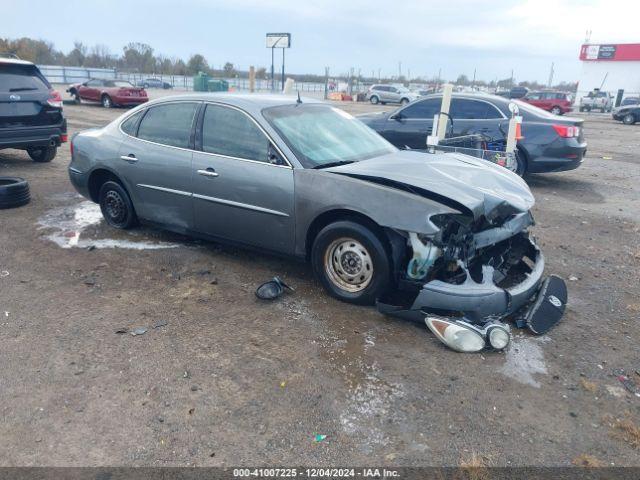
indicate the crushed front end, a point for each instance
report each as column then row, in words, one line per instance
column 471, row 276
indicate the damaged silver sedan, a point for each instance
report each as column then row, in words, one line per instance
column 437, row 238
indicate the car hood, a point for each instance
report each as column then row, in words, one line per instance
column 481, row 187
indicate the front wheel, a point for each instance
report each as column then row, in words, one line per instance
column 351, row 262
column 106, row 101
column 629, row 119
column 42, row 154
column 116, row 206
column 556, row 111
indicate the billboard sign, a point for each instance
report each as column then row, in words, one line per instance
column 278, row 40
column 611, row 52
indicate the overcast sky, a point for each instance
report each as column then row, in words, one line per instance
column 453, row 35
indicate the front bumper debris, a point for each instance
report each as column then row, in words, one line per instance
column 478, row 303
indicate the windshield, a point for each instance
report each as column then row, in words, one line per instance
column 320, row 134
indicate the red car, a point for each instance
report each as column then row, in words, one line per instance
column 557, row 103
column 108, row 92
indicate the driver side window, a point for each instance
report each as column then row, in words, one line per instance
column 227, row 131
column 424, row 109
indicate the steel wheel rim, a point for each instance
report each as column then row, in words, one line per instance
column 115, row 207
column 348, row 265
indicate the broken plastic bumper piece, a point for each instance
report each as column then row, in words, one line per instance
column 477, row 304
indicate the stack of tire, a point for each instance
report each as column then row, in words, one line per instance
column 14, row 192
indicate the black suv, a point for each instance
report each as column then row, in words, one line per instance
column 30, row 110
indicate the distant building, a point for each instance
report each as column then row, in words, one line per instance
column 611, row 67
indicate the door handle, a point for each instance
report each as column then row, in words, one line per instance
column 209, row 172
column 131, row 158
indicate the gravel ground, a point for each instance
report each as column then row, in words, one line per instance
column 228, row 380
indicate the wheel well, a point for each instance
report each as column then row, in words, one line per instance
column 72, row 91
column 332, row 216
column 97, row 179
column 104, row 94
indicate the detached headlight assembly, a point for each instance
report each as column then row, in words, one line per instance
column 456, row 335
column 463, row 337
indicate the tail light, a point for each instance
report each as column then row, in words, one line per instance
column 64, row 138
column 567, row 131
column 71, row 148
column 54, row 100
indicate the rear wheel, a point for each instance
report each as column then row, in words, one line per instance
column 374, row 100
column 556, row 111
column 106, row 101
column 404, row 101
column 351, row 262
column 116, row 206
column 629, row 119
column 42, row 154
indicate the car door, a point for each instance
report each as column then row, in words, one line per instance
column 90, row 90
column 393, row 95
column 475, row 116
column 410, row 126
column 242, row 185
column 155, row 161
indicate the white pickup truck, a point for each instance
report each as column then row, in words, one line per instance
column 596, row 100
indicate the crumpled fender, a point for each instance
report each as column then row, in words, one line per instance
column 319, row 191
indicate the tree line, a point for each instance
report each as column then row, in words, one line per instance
column 137, row 57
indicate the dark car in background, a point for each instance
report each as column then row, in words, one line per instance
column 109, row 93
column 550, row 143
column 627, row 114
column 31, row 116
column 154, row 83
column 557, row 103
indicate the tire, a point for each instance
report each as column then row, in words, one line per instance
column 42, row 154
column 14, row 192
column 106, row 101
column 374, row 100
column 629, row 119
column 116, row 206
column 404, row 101
column 77, row 98
column 556, row 111
column 351, row 262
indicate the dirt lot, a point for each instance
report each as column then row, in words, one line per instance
column 233, row 381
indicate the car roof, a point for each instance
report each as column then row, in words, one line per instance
column 15, row 61
column 256, row 101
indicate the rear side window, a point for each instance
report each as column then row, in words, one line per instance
column 226, row 131
column 21, row 78
column 168, row 124
column 130, row 125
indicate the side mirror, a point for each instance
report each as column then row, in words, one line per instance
column 396, row 116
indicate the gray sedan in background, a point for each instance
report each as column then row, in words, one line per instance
column 305, row 179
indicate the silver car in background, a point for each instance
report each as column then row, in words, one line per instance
column 305, row 179
column 390, row 94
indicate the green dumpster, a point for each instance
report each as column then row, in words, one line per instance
column 200, row 82
column 218, row 85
